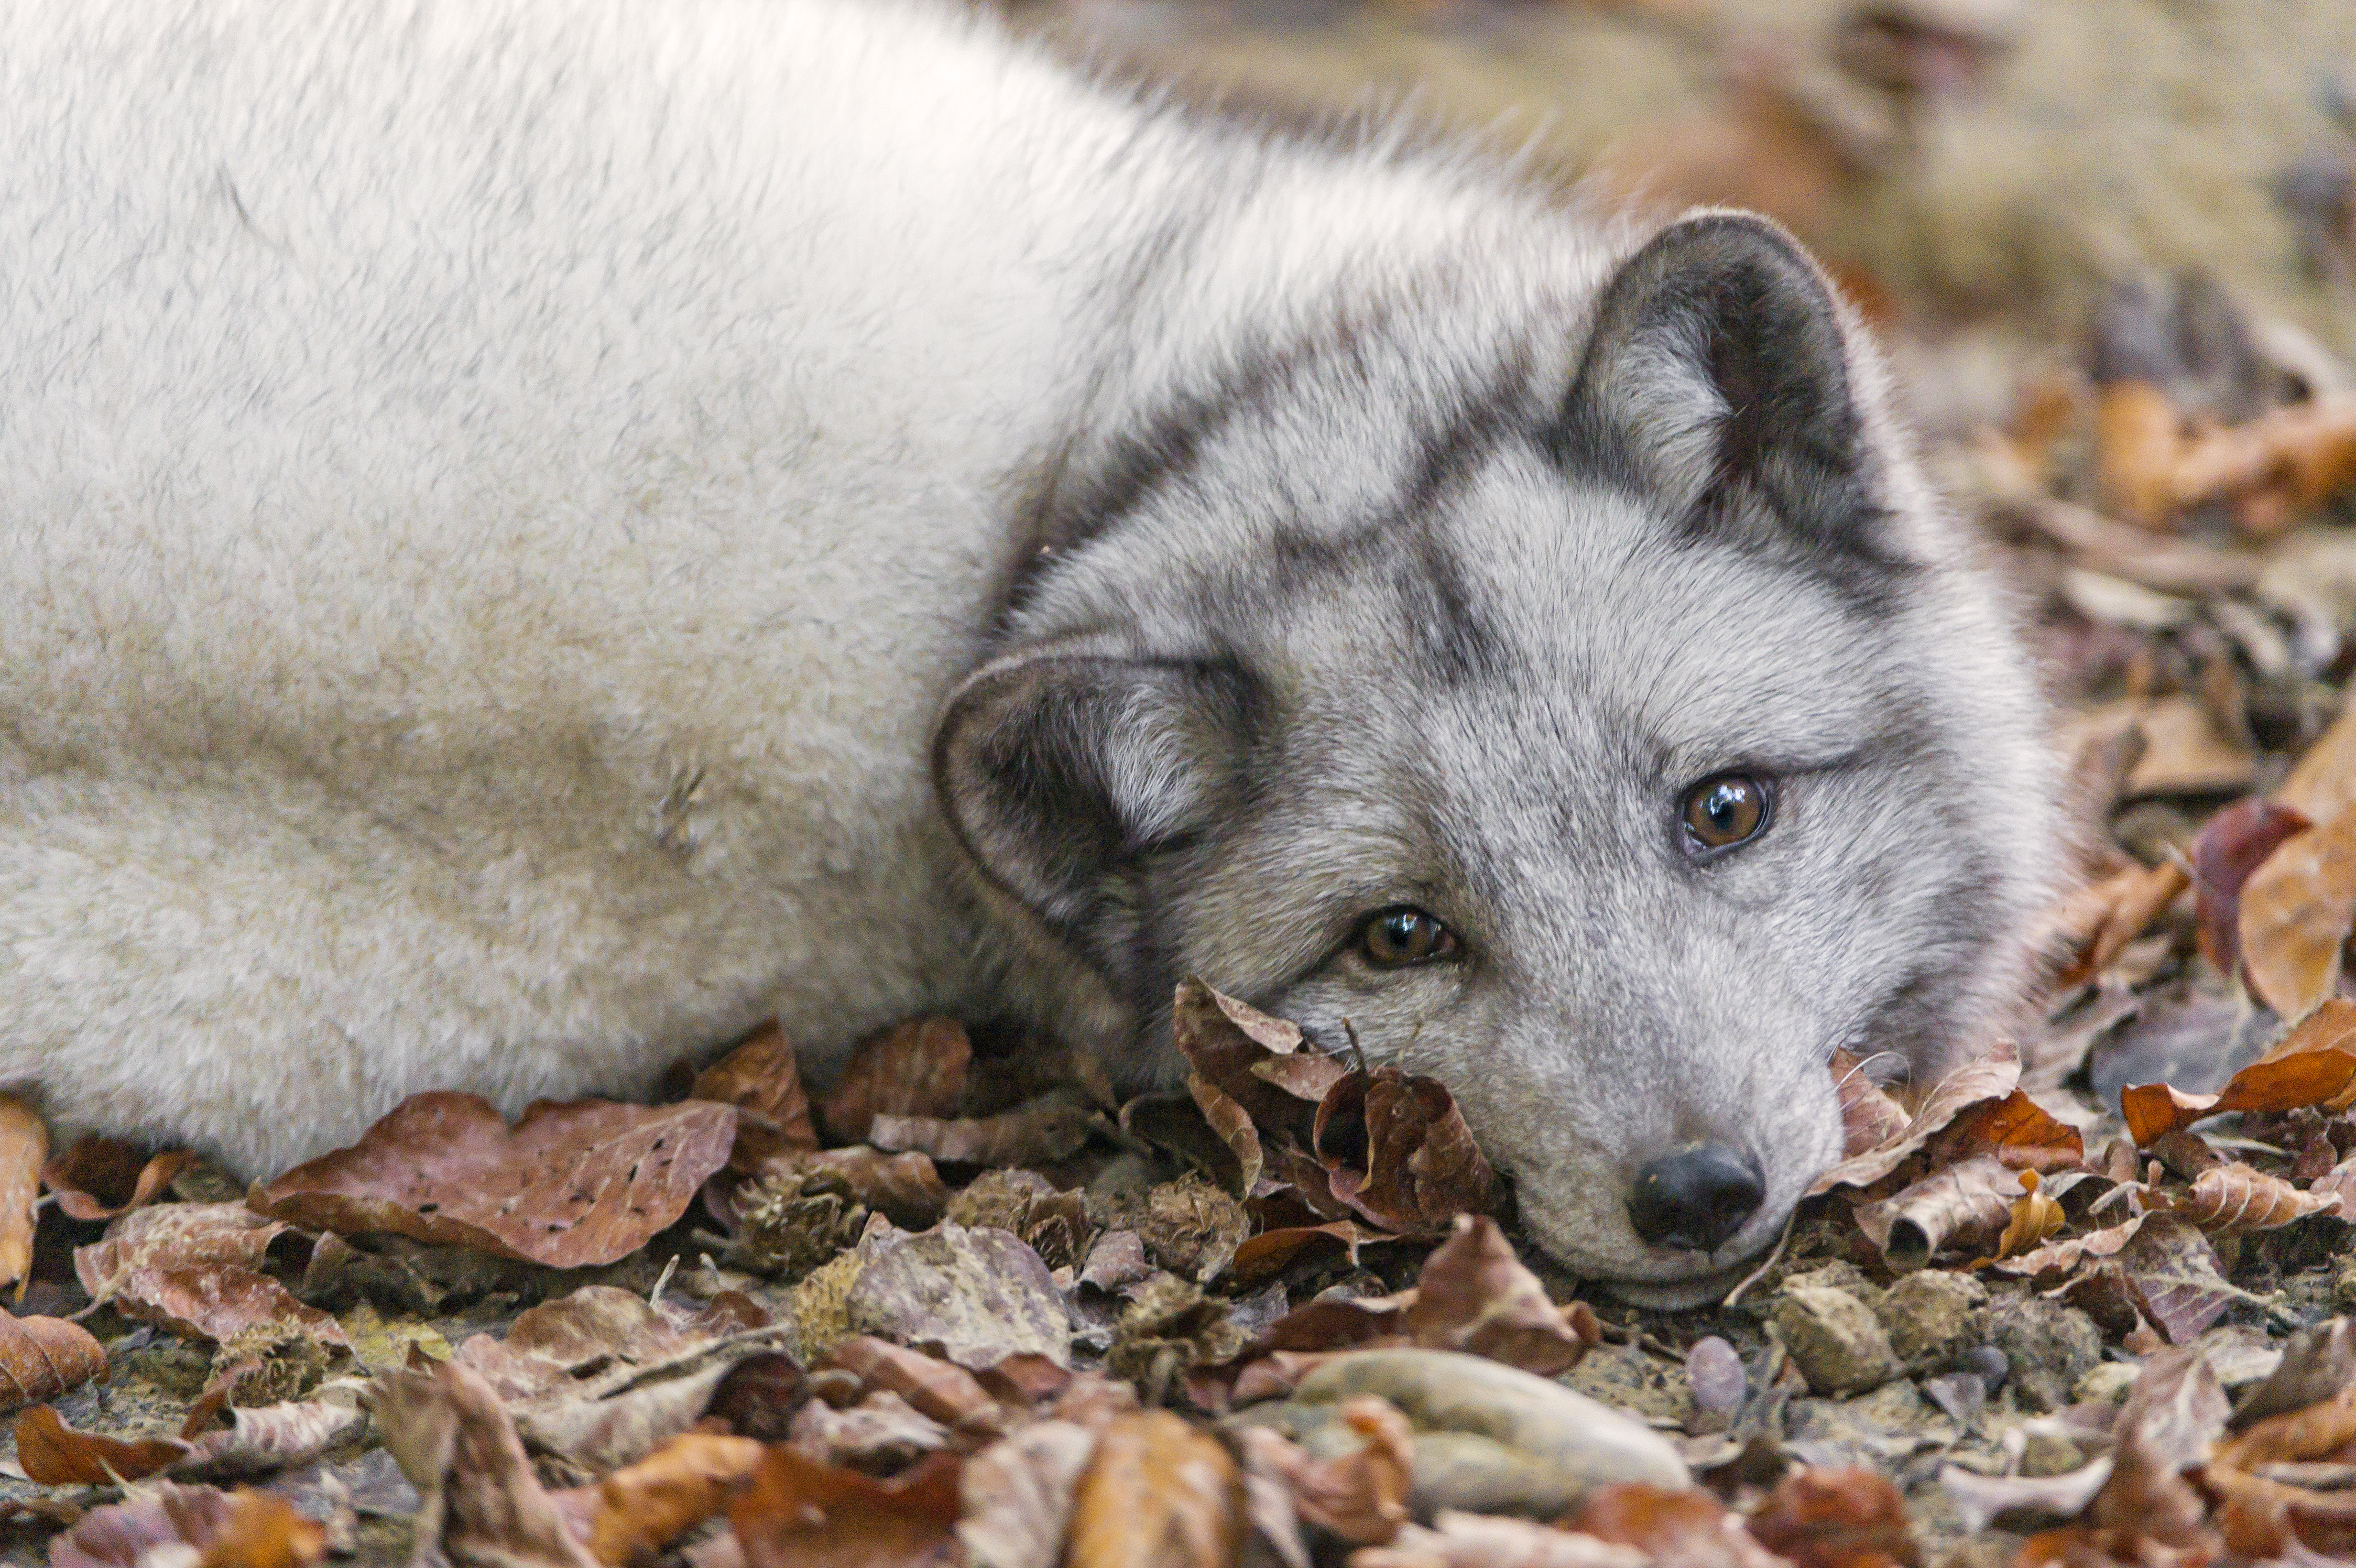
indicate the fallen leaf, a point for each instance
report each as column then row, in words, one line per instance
column 2035, row 1216
column 1016, row 1496
column 2172, row 1416
column 904, row 1188
column 2232, row 845
column 2120, row 909
column 2296, row 909
column 1836, row 1518
column 1396, row 1148
column 797, row 1513
column 977, row 1296
column 2237, row 1201
column 2063, row 1256
column 1484, row 1540
column 2322, row 783
column 1992, row 1077
column 1052, row 1128
column 173, row 1236
column 1360, row 1494
column 1273, row 1252
column 763, row 1081
column 573, row 1185
column 24, row 1146
column 1475, row 1295
column 217, row 1302
column 56, row 1455
column 643, row 1508
column 1965, row 1207
column 1869, row 1117
column 941, row 1390
column 266, row 1438
column 2172, row 1272
column 918, row 1069
column 1690, row 1528
column 1156, row 1494
column 2283, row 1480
column 2338, row 1184
column 2016, row 1130
column 98, row 1178
column 40, row 1357
column 2315, row 1065
column 481, row 1502
column 880, row 1435
column 211, row 1528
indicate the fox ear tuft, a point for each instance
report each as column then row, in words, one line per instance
column 1717, row 377
column 1066, row 776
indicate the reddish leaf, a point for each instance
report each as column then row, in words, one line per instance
column 173, row 1236
column 2231, row 845
column 56, row 1455
column 1396, row 1148
column 1157, row 1494
column 23, row 1143
column 571, row 1185
column 643, row 1508
column 210, row 1529
column 1690, row 1528
column 941, row 1390
column 98, row 1179
column 40, row 1357
column 2018, row 1132
column 2316, row 1065
column 1835, row 1519
column 918, row 1069
column 2295, row 917
column 1869, row 1117
column 2236, row 1200
column 1043, row 1131
column 1359, row 1495
column 797, row 1513
column 1475, row 1295
column 215, row 1301
column 761, row 1079
column 1992, row 1077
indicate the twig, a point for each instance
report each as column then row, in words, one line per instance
column 1772, row 1259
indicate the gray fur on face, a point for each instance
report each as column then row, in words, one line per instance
column 1451, row 610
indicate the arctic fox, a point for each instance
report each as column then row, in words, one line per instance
column 538, row 534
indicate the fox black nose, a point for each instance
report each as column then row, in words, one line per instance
column 1696, row 1198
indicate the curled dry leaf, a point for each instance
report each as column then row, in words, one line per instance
column 1992, row 1077
column 210, row 1529
column 763, row 1081
column 2062, row 1257
column 2121, row 908
column 2169, row 1273
column 481, row 1501
column 2283, row 1480
column 1869, row 1117
column 1157, row 1494
column 1016, row 1496
column 24, row 1145
column 2231, row 845
column 643, row 1508
column 1964, row 1207
column 1396, row 1148
column 1041, row 1132
column 1475, row 1295
column 1359, row 1496
column 2338, row 1184
column 175, row 1235
column 56, row 1455
column 1273, row 1252
column 1836, row 1518
column 572, row 1185
column 940, row 1390
column 2296, row 914
column 2235, row 1200
column 266, row 1438
column 880, row 1435
column 2315, row 1065
column 2172, row 1416
column 915, row 1069
column 1486, row 1540
column 217, row 1302
column 2035, row 1216
column 2016, row 1130
column 1686, row 1528
column 797, row 1513
column 96, row 1178
column 40, row 1357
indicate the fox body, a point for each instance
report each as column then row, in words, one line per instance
column 538, row 534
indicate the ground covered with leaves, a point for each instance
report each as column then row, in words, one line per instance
column 2082, row 1302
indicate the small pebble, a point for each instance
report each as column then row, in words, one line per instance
column 1719, row 1382
column 1989, row 1364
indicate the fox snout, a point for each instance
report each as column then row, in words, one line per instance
column 1696, row 1198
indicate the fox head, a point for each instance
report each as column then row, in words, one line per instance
column 1553, row 668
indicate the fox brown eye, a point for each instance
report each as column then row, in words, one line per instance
column 1399, row 937
column 1725, row 811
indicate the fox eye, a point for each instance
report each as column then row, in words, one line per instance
column 1395, row 938
column 1724, row 811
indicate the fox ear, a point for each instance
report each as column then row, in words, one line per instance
column 1718, row 378
column 1065, row 776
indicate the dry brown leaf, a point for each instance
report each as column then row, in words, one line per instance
column 2035, row 1216
column 643, row 1508
column 797, row 1513
column 217, row 1301
column 2118, row 910
column 1690, row 1528
column 2231, row 845
column 214, row 1529
column 2315, row 1065
column 2170, row 1273
column 916, row 1069
column 1396, row 1148
column 2338, row 1184
column 23, row 1146
column 1869, row 1117
column 2139, row 434
column 1475, row 1295
column 266, row 1438
column 2264, row 1505
column 1991, row 1078
column 763, row 1081
column 1016, row 1496
column 2306, row 451
column 174, row 1235
column 2018, row 1133
column 481, row 1503
column 1157, row 1494
column 1273, row 1252
column 2186, row 750
column 2236, row 1200
column 2173, row 1416
column 56, row 1455
column 904, row 1189
column 573, row 1185
column 2296, row 912
column 1964, row 1207
column 1360, row 1495
column 2055, row 1258
column 1836, row 1518
column 1485, row 1541
column 40, row 1357
column 2322, row 783
column 941, row 1390
column 1052, row 1128
column 97, row 1179
column 880, row 1435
